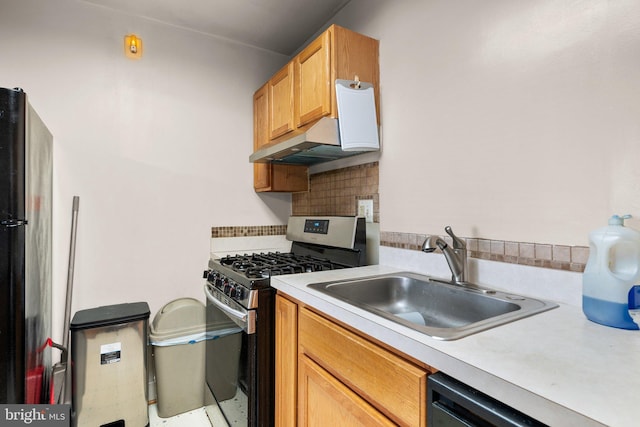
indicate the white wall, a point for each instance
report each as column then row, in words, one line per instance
column 506, row 119
column 157, row 149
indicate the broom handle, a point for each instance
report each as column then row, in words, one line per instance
column 72, row 258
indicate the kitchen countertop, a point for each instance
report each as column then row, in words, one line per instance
column 556, row 366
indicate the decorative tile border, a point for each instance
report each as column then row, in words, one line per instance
column 559, row 257
column 248, row 231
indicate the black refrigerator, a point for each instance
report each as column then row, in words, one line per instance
column 25, row 251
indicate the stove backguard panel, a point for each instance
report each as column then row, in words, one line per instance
column 272, row 238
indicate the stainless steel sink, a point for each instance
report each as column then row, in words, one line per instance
column 435, row 307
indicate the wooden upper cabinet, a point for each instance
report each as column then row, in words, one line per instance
column 337, row 53
column 303, row 91
column 354, row 54
column 261, row 171
column 266, row 176
column 260, row 117
column 281, row 104
column 313, row 81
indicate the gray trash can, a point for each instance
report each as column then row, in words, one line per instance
column 177, row 334
column 109, row 366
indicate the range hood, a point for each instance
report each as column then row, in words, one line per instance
column 320, row 143
column 355, row 132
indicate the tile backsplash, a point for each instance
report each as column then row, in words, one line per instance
column 337, row 192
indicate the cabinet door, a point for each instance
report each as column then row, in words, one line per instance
column 313, row 81
column 261, row 171
column 325, row 401
column 286, row 361
column 266, row 176
column 393, row 385
column 281, row 102
column 354, row 54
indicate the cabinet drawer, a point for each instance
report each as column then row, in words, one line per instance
column 325, row 401
column 394, row 386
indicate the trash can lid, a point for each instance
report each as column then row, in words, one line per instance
column 180, row 317
column 110, row 315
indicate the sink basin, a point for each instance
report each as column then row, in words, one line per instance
column 435, row 307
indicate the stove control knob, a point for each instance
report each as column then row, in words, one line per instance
column 227, row 288
column 220, row 281
column 239, row 292
column 232, row 291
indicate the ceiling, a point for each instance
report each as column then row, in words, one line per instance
column 277, row 25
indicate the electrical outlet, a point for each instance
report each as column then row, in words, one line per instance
column 365, row 209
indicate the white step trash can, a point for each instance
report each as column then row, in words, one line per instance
column 178, row 334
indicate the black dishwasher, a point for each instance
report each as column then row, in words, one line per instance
column 455, row 404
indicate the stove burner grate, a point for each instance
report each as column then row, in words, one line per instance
column 265, row 265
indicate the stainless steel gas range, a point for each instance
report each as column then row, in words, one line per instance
column 241, row 309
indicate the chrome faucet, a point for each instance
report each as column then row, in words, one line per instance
column 456, row 257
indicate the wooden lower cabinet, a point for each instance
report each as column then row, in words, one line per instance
column 341, row 375
column 286, row 371
column 325, row 401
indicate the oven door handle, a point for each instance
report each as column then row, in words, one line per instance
column 241, row 316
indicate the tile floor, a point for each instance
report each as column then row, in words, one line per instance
column 195, row 418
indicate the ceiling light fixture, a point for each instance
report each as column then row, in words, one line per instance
column 133, row 46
